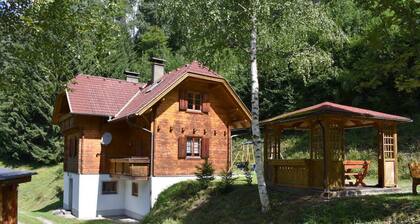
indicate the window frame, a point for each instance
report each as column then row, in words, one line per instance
column 109, row 192
column 200, row 147
column 134, row 185
column 194, row 103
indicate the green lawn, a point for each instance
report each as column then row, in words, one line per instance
column 42, row 195
column 187, row 203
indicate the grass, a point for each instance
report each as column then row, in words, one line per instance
column 38, row 198
column 186, row 203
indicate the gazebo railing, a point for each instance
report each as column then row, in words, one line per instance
column 289, row 172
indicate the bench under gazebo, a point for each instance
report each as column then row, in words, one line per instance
column 326, row 124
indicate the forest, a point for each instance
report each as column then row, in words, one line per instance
column 363, row 53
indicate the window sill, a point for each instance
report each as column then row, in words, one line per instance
column 193, row 158
column 194, row 111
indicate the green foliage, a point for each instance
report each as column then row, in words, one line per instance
column 205, row 174
column 354, row 52
column 226, row 183
column 247, row 174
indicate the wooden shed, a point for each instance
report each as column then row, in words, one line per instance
column 326, row 124
column 9, row 181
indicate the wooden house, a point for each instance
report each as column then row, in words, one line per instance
column 127, row 141
column 9, row 182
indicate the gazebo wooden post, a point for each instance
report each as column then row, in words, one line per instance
column 325, row 158
column 387, row 155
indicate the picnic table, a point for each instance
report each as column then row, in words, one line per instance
column 357, row 169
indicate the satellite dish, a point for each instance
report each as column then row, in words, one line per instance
column 106, row 138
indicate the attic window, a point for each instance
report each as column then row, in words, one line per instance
column 194, row 101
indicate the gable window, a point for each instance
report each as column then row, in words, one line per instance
column 193, row 147
column 194, row 101
column 134, row 189
column 109, row 187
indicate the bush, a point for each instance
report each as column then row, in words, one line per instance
column 205, row 174
column 225, row 185
column 248, row 174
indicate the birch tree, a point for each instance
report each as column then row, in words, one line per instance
column 256, row 133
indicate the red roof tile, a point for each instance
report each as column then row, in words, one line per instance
column 96, row 95
column 328, row 107
column 101, row 96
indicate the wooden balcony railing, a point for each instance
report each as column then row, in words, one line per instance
column 136, row 167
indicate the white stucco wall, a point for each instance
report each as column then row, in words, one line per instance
column 75, row 193
column 137, row 206
column 110, row 204
column 159, row 184
column 89, row 202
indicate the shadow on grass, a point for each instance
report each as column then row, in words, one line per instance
column 10, row 163
column 242, row 206
column 55, row 205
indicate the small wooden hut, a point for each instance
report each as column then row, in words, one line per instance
column 9, row 181
column 326, row 123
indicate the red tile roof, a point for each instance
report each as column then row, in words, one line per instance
column 96, row 95
column 328, row 107
column 101, row 96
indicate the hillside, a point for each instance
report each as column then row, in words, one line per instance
column 38, row 198
column 186, row 203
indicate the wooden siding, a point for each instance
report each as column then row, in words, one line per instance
column 92, row 157
column 168, row 123
column 8, row 204
column 171, row 123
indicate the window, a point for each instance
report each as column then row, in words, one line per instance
column 194, row 101
column 193, row 147
column 109, row 187
column 134, row 189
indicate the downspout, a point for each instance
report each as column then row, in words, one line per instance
column 324, row 149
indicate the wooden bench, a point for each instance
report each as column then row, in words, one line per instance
column 356, row 168
column 415, row 175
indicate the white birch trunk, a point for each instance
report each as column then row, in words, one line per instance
column 256, row 134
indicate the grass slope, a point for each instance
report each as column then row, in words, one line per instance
column 43, row 194
column 187, row 203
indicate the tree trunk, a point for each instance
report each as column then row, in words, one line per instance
column 256, row 134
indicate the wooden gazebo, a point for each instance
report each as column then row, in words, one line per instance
column 326, row 123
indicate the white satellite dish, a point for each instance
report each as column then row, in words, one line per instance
column 106, row 138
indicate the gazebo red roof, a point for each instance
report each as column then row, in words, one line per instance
column 333, row 108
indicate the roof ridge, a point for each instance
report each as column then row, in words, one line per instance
column 110, row 79
column 128, row 102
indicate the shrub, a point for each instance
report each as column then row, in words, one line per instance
column 248, row 174
column 225, row 185
column 205, row 174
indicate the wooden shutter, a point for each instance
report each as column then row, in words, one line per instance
column 206, row 104
column 183, row 103
column 182, row 147
column 205, row 148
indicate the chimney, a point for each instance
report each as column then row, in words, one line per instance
column 158, row 70
column 132, row 76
